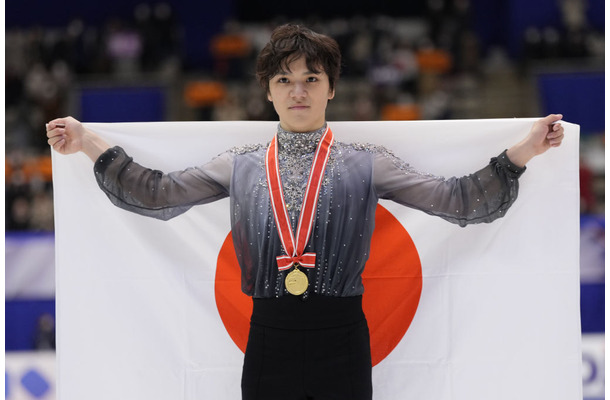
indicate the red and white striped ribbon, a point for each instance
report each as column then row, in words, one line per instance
column 295, row 248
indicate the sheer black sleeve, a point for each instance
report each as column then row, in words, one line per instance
column 479, row 197
column 160, row 195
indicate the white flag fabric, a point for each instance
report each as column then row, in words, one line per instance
column 490, row 311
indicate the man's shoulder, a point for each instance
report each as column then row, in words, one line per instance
column 246, row 149
column 362, row 147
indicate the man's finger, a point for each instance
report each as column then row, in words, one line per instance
column 54, row 124
column 551, row 119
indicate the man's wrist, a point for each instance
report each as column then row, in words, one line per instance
column 93, row 145
column 520, row 154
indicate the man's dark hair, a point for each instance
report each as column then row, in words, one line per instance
column 290, row 42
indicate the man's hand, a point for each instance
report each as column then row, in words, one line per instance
column 68, row 136
column 547, row 132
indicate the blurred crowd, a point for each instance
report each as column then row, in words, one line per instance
column 394, row 68
column 42, row 65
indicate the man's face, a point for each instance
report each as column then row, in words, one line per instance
column 300, row 97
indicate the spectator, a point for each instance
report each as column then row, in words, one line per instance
column 44, row 337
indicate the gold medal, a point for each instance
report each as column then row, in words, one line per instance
column 296, row 281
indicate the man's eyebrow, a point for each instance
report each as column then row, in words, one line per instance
column 308, row 72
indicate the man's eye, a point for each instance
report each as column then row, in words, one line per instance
column 312, row 79
column 283, row 80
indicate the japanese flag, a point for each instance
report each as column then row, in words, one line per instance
column 148, row 309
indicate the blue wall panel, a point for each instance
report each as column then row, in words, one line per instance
column 123, row 104
column 578, row 96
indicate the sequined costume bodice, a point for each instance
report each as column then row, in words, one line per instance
column 295, row 158
column 356, row 177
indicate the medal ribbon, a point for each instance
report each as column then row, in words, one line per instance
column 295, row 248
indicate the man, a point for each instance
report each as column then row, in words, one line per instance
column 302, row 214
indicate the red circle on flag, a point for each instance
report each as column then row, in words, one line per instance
column 392, row 283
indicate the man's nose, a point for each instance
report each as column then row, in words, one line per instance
column 298, row 90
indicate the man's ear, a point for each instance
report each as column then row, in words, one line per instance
column 269, row 96
column 331, row 94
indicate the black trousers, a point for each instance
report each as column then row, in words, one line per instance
column 316, row 361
